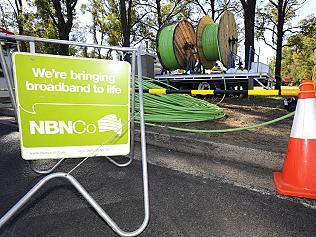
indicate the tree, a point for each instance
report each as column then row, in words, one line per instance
column 17, row 10
column 129, row 23
column 249, row 7
column 114, row 22
column 299, row 57
column 276, row 18
column 3, row 14
column 106, row 25
column 30, row 22
column 156, row 13
column 130, row 18
column 17, row 7
column 169, row 11
column 62, row 13
column 215, row 8
column 125, row 13
column 206, row 6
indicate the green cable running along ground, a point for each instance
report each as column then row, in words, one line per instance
column 178, row 108
column 227, row 129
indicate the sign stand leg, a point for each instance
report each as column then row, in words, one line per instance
column 48, row 171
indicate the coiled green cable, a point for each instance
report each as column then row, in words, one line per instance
column 176, row 108
column 165, row 48
column 210, row 42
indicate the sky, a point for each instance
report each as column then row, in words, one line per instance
column 266, row 52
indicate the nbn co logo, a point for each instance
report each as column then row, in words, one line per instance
column 51, row 127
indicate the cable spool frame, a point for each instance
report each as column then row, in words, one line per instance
column 183, row 44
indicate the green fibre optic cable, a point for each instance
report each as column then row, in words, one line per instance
column 210, row 42
column 179, row 108
column 225, row 130
column 176, row 107
column 165, row 47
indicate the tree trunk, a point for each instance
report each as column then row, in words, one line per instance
column 124, row 24
column 277, row 72
column 20, row 21
column 63, row 48
column 249, row 38
column 249, row 21
column 278, row 58
column 213, row 9
column 63, row 26
column 159, row 17
column 21, row 32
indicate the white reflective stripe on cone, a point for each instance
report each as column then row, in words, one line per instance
column 304, row 124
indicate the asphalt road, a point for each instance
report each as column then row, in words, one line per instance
column 180, row 204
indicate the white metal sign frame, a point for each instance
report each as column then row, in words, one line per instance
column 135, row 52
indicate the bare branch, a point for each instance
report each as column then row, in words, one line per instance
column 290, row 6
column 270, row 18
column 201, row 7
column 150, row 26
column 273, row 3
column 52, row 16
column 139, row 19
column 264, row 39
column 14, row 10
column 147, row 5
column 273, row 31
column 291, row 30
column 141, row 39
column 171, row 12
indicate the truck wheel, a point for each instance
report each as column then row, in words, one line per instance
column 204, row 86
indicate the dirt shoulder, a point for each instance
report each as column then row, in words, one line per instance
column 242, row 112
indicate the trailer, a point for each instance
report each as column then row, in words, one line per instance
column 219, row 80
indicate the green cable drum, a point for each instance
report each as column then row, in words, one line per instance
column 217, row 41
column 210, row 42
column 165, row 47
column 204, row 21
column 176, row 45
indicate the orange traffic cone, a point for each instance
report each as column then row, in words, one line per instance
column 298, row 177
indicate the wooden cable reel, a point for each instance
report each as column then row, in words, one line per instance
column 204, row 21
column 225, row 37
column 176, row 45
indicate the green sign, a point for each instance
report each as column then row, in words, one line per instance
column 72, row 107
